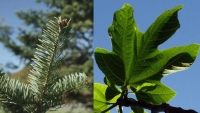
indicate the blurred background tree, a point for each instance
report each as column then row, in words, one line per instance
column 79, row 52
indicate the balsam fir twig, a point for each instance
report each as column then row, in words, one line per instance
column 46, row 86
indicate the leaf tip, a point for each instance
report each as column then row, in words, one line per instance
column 127, row 6
column 181, row 5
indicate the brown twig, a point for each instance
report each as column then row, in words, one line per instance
column 158, row 108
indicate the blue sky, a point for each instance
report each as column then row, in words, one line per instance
column 185, row 83
column 7, row 11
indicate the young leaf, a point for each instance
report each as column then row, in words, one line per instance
column 138, row 51
column 158, row 95
column 100, row 102
column 135, row 61
column 99, row 97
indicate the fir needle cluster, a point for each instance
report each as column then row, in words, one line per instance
column 46, row 86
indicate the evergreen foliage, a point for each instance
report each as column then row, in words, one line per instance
column 81, row 13
column 78, row 58
column 46, row 86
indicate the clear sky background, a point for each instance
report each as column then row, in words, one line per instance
column 185, row 83
column 7, row 11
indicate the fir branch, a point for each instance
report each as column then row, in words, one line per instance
column 46, row 87
column 14, row 94
column 45, row 76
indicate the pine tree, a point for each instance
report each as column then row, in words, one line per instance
column 46, row 86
